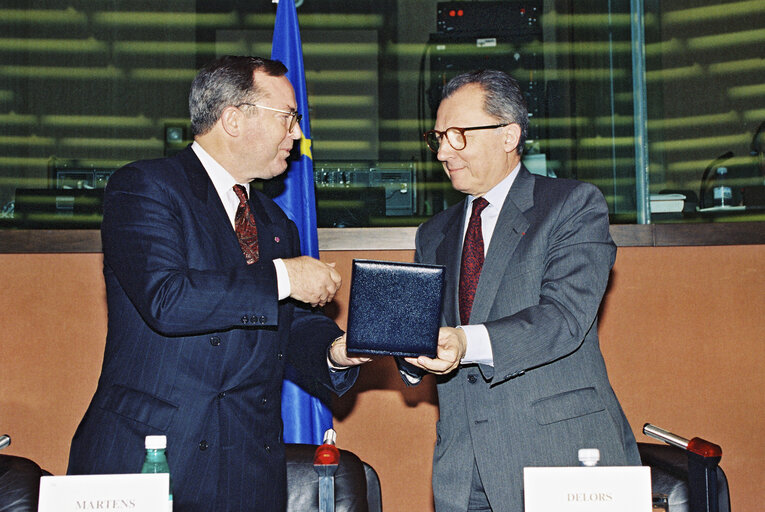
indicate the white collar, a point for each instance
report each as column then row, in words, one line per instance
column 496, row 196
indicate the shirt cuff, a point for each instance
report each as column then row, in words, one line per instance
column 411, row 378
column 333, row 367
column 282, row 279
column 478, row 348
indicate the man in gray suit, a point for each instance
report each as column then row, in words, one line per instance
column 521, row 379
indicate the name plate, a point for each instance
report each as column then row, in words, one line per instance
column 129, row 492
column 590, row 489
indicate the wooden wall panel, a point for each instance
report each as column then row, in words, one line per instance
column 681, row 329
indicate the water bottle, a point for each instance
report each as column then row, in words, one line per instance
column 722, row 193
column 156, row 462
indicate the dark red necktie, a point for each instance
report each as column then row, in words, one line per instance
column 472, row 260
column 244, row 224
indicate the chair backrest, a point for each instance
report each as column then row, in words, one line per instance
column 357, row 486
column 374, row 492
column 19, row 484
column 669, row 475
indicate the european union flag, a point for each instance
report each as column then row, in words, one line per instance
column 305, row 417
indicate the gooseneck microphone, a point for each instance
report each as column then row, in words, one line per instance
column 755, row 147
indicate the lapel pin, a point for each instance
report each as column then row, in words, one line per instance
column 276, row 239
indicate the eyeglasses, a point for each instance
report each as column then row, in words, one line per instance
column 294, row 119
column 454, row 135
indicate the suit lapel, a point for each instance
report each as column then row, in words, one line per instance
column 212, row 217
column 450, row 245
column 511, row 226
column 273, row 233
column 275, row 237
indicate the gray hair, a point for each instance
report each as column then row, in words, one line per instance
column 504, row 99
column 226, row 81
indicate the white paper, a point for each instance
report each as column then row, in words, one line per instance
column 584, row 489
column 77, row 493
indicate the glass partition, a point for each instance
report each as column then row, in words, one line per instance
column 86, row 87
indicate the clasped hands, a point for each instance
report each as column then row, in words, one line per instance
column 452, row 344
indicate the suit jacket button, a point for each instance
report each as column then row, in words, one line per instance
column 262, row 319
column 264, row 400
column 279, row 356
column 245, row 319
column 215, row 341
column 222, row 394
column 254, row 319
column 472, row 378
column 203, row 445
column 267, row 448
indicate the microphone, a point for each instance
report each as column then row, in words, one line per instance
column 696, row 445
column 666, row 436
column 755, row 146
column 702, row 188
column 325, row 462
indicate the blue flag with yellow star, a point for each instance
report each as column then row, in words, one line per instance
column 305, row 417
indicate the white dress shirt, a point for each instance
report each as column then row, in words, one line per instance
column 478, row 342
column 224, row 185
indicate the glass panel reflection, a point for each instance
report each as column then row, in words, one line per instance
column 86, row 87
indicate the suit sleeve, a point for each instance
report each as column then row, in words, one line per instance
column 311, row 333
column 570, row 278
column 145, row 245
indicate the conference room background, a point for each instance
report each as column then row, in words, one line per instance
column 638, row 102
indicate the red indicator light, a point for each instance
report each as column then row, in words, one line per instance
column 523, row 11
column 452, row 13
column 460, row 12
column 326, row 454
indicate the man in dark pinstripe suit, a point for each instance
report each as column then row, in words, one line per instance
column 198, row 335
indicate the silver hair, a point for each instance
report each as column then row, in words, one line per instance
column 226, row 81
column 503, row 97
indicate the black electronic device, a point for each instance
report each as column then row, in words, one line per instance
column 506, row 36
column 349, row 207
column 76, row 174
column 395, row 179
column 462, row 53
column 488, row 17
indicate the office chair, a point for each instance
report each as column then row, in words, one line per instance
column 686, row 471
column 357, row 486
column 19, row 482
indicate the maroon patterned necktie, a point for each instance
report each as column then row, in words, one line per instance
column 244, row 223
column 472, row 260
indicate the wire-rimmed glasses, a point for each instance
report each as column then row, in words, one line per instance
column 454, row 135
column 295, row 119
